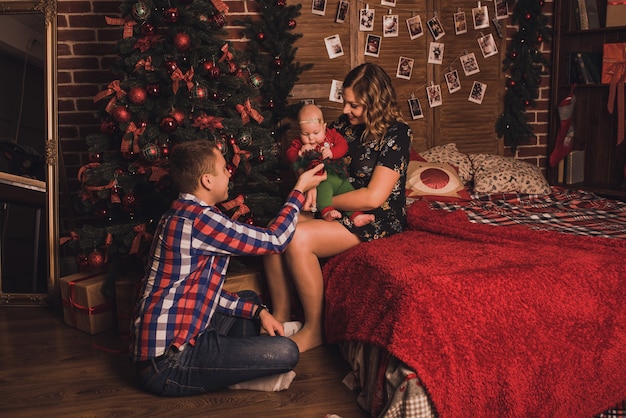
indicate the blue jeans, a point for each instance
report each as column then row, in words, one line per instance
column 228, row 352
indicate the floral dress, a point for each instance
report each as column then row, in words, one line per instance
column 362, row 158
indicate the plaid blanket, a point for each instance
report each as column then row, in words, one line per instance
column 564, row 210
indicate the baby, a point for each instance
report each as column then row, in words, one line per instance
column 319, row 143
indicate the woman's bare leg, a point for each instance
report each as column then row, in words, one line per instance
column 279, row 286
column 311, row 241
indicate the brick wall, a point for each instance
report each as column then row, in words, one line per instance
column 87, row 48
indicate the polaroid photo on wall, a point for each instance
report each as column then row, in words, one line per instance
column 405, row 68
column 488, row 45
column 435, row 53
column 477, row 93
column 336, row 93
column 307, row 101
column 342, row 11
column 436, row 28
column 390, row 25
column 372, row 45
column 502, row 9
column 469, row 64
column 318, row 7
column 452, row 81
column 460, row 24
column 390, row 3
column 333, row 46
column 366, row 20
column 434, row 95
column 414, row 25
column 481, row 17
column 415, row 108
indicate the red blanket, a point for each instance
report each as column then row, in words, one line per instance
column 496, row 321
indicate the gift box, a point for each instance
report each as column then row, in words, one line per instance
column 125, row 298
column 237, row 281
column 613, row 62
column 615, row 13
column 84, row 305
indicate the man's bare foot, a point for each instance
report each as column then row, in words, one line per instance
column 332, row 215
column 307, row 339
column 363, row 219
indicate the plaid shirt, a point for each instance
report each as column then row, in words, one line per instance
column 189, row 257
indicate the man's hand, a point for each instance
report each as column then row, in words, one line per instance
column 270, row 324
column 310, row 179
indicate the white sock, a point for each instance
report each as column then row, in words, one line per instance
column 274, row 383
column 292, row 327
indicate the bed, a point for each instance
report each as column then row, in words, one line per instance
column 504, row 297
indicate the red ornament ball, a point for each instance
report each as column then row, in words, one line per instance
column 121, row 114
column 171, row 15
column 527, row 16
column 108, row 127
column 278, row 63
column 291, row 24
column 171, row 66
column 199, row 92
column 148, row 29
column 281, row 4
column 260, row 36
column 168, row 124
column 182, row 41
column 179, row 115
column 137, row 95
column 129, row 201
column 165, row 150
column 95, row 259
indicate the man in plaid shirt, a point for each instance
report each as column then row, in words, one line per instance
column 190, row 336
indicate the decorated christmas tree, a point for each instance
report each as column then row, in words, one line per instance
column 177, row 78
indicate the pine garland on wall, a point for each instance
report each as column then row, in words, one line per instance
column 526, row 65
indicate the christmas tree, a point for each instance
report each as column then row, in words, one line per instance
column 177, row 78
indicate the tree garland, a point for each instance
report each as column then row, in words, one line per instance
column 526, row 64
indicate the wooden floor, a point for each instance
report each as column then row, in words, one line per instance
column 50, row 369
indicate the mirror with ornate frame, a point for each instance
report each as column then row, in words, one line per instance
column 20, row 186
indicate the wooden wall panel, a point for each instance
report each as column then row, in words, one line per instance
column 470, row 125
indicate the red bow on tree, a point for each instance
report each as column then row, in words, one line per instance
column 113, row 88
column 247, row 111
column 205, row 121
column 142, row 235
column 178, row 76
column 128, row 24
column 145, row 64
column 131, row 137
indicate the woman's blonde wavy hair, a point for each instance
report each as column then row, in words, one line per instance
column 373, row 90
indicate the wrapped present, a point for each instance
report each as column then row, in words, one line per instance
column 84, row 305
column 614, row 73
column 125, row 298
column 615, row 13
column 243, row 280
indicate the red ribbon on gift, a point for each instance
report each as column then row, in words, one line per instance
column 247, row 111
column 128, row 24
column 220, row 6
column 142, row 235
column 76, row 307
column 617, row 70
column 226, row 54
column 178, row 76
column 146, row 64
column 205, row 121
column 132, row 137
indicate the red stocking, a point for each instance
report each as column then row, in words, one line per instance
column 565, row 136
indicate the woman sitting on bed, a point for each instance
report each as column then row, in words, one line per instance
column 378, row 155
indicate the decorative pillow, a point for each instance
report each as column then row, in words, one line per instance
column 434, row 181
column 498, row 174
column 449, row 153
